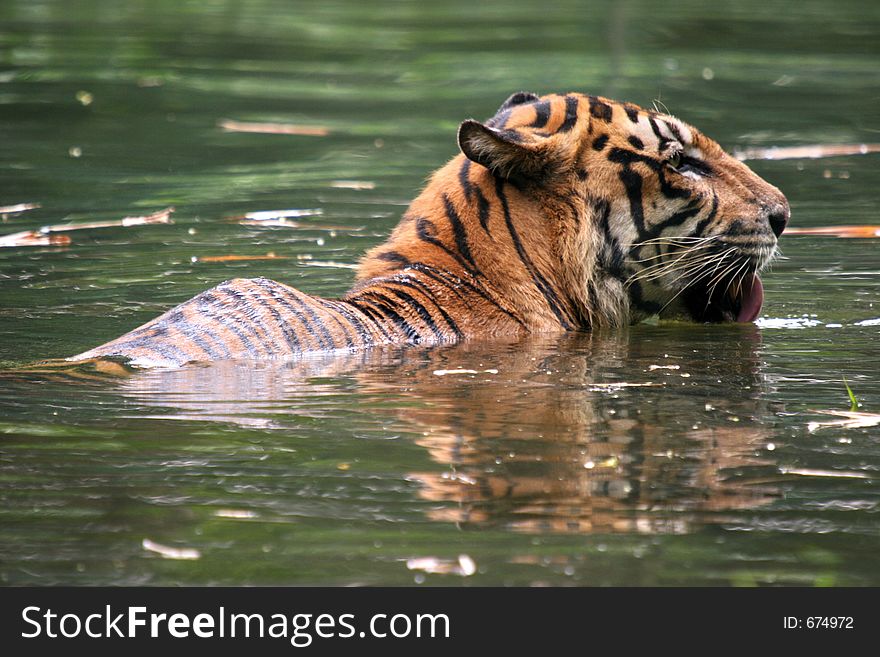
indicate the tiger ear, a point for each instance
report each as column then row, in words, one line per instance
column 506, row 153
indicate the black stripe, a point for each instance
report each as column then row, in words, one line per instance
column 253, row 321
column 363, row 306
column 463, row 178
column 385, row 306
column 458, row 231
column 674, row 130
column 290, row 336
column 195, row 334
column 571, row 114
column 669, row 190
column 416, row 284
column 453, row 283
column 656, row 129
column 539, row 281
column 208, row 304
column 612, row 254
column 333, row 312
column 282, row 298
column 217, row 310
column 420, row 310
column 600, row 110
column 632, row 113
column 427, row 231
column 700, row 228
column 626, row 158
column 632, row 182
column 327, row 342
column 483, row 210
column 690, row 210
column 393, row 257
column 345, row 309
column 635, row 142
column 599, row 142
column 542, row 114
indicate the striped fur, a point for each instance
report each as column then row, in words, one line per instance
column 563, row 212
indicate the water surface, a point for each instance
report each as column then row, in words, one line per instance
column 664, row 454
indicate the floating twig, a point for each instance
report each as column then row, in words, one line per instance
column 48, row 235
column 837, row 231
column 811, row 152
column 160, row 217
column 20, row 207
column 353, row 184
column 266, row 215
column 33, row 238
column 169, row 552
column 237, row 258
column 851, row 420
column 273, row 128
column 284, row 219
column 327, row 263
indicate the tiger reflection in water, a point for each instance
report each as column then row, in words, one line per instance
column 537, row 436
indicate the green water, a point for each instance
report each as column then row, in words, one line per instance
column 660, row 455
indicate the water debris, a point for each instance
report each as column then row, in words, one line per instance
column 285, row 219
column 293, row 213
column 611, row 387
column 34, row 238
column 353, row 184
column 807, row 472
column 464, row 566
column 48, row 235
column 169, row 552
column 445, row 372
column 237, row 258
column 786, row 322
column 273, row 128
column 20, row 207
column 851, row 420
column 837, row 231
column 328, row 263
column 811, row 152
column 853, row 402
column 236, row 514
column 663, row 367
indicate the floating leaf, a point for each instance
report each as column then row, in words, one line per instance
column 853, row 402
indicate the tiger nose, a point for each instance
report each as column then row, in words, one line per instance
column 778, row 218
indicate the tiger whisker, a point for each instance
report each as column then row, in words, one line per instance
column 689, row 261
column 691, row 284
column 689, row 249
column 689, row 252
column 690, row 270
column 718, row 278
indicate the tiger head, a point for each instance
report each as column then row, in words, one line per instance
column 645, row 214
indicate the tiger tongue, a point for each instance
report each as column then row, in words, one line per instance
column 751, row 300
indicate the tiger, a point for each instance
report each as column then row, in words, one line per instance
column 563, row 212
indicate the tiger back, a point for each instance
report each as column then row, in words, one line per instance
column 562, row 212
